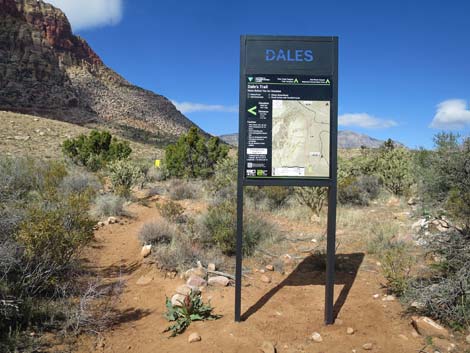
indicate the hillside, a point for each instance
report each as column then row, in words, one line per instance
column 27, row 135
column 346, row 140
column 47, row 71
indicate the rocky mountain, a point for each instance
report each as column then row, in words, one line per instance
column 46, row 70
column 346, row 140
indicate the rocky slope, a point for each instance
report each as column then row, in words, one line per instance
column 346, row 140
column 46, row 70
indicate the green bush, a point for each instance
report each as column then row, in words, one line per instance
column 96, row 149
column 220, row 229
column 358, row 190
column 396, row 267
column 193, row 155
column 108, row 205
column 171, row 211
column 124, row 175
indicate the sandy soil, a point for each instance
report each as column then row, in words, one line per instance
column 286, row 311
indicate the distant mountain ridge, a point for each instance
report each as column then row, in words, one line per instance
column 346, row 139
column 46, row 70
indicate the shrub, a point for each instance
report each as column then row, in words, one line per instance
column 56, row 235
column 396, row 266
column 394, row 169
column 444, row 292
column 193, row 155
column 18, row 177
column 358, row 190
column 81, row 183
column 312, row 197
column 220, row 229
column 382, row 237
column 96, row 149
column 124, row 175
column 192, row 309
column 277, row 195
column 180, row 190
column 157, row 232
column 108, row 205
column 177, row 255
column 225, row 175
column 172, row 211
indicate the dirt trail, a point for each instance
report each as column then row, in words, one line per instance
column 286, row 312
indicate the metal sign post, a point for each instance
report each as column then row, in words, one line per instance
column 288, row 127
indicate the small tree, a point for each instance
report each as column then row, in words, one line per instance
column 124, row 175
column 96, row 149
column 193, row 155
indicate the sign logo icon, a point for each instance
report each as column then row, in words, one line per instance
column 250, row 79
column 252, row 110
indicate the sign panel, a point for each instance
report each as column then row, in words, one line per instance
column 287, row 126
column 288, row 108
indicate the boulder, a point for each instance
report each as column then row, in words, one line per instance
column 350, row 331
column 177, row 299
column 184, row 289
column 196, row 271
column 367, row 346
column 146, row 250
column 218, row 281
column 194, row 337
column 112, row 220
column 196, row 281
column 265, row 279
column 443, row 345
column 428, row 327
column 211, row 267
column 270, row 267
column 316, row 337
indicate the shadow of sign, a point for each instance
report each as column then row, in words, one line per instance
column 311, row 271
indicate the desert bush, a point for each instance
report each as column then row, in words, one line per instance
column 394, row 169
column 443, row 293
column 96, row 149
column 397, row 262
column 178, row 255
column 171, row 211
column 193, row 155
column 157, row 232
column 181, row 190
column 381, row 236
column 277, row 196
column 220, row 229
column 312, row 197
column 79, row 182
column 225, row 174
column 55, row 235
column 358, row 190
column 108, row 205
column 18, row 177
column 124, row 175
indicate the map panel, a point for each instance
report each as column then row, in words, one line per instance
column 300, row 138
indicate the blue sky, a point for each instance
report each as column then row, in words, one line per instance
column 404, row 65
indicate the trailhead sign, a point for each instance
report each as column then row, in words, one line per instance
column 288, row 127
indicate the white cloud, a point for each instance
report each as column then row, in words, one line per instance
column 84, row 14
column 188, row 107
column 451, row 114
column 365, row 120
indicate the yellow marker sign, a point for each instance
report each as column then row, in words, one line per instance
column 157, row 163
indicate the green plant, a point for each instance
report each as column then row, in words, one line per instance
column 190, row 309
column 170, row 210
column 394, row 169
column 193, row 155
column 96, row 149
column 396, row 266
column 124, row 175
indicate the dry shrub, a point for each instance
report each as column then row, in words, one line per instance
column 108, row 205
column 157, row 232
column 181, row 190
column 171, row 211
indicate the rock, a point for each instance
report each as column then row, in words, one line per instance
column 177, row 299
column 286, row 259
column 376, row 296
column 194, row 337
column 196, row 271
column 367, row 346
column 270, row 267
column 420, row 223
column 411, row 201
column 261, row 271
column 417, row 305
column 218, row 281
column 112, row 220
column 403, row 337
column 316, row 337
column 388, row 298
column 184, row 289
column 211, row 267
column 428, row 327
column 144, row 280
column 265, row 279
column 268, row 347
column 443, row 345
column 467, row 339
column 146, row 250
column 350, row 331
column 196, row 281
